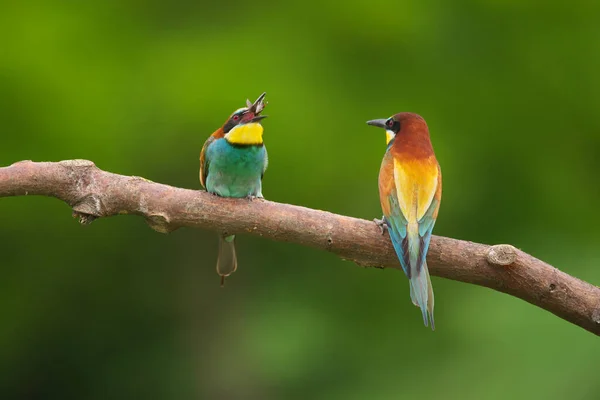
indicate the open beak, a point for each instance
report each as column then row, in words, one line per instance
column 380, row 123
column 257, row 107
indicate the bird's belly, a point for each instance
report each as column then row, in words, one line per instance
column 235, row 171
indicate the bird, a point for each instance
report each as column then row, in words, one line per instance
column 233, row 161
column 410, row 192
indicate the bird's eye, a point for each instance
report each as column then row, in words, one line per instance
column 390, row 123
column 236, row 117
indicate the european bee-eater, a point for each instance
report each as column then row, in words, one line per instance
column 410, row 191
column 232, row 164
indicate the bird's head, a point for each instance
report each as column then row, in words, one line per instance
column 243, row 126
column 401, row 122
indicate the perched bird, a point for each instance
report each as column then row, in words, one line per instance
column 410, row 191
column 232, row 164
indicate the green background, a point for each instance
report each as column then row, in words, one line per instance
column 114, row 310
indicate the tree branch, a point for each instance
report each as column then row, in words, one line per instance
column 93, row 193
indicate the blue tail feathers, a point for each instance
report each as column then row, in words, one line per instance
column 421, row 294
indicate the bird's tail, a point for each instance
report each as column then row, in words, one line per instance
column 421, row 294
column 227, row 261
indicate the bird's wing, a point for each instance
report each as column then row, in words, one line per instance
column 427, row 221
column 410, row 202
column 204, row 162
column 394, row 218
column 265, row 163
column 397, row 224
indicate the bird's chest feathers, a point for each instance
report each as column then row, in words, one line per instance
column 236, row 160
column 416, row 183
column 246, row 134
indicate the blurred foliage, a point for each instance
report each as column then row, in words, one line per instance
column 510, row 90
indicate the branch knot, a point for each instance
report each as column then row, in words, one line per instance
column 502, row 255
column 160, row 223
column 88, row 209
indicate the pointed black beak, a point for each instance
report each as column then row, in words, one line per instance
column 380, row 123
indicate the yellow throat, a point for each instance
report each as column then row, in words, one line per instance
column 246, row 134
column 388, row 136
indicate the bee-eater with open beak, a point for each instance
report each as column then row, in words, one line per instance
column 410, row 191
column 232, row 164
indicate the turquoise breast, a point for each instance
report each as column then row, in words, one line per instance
column 235, row 171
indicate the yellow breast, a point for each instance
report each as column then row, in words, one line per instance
column 246, row 134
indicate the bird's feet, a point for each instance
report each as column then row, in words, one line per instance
column 381, row 224
column 251, row 197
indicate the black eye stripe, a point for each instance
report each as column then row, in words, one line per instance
column 393, row 125
column 234, row 120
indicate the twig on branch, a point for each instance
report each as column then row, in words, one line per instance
column 93, row 193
